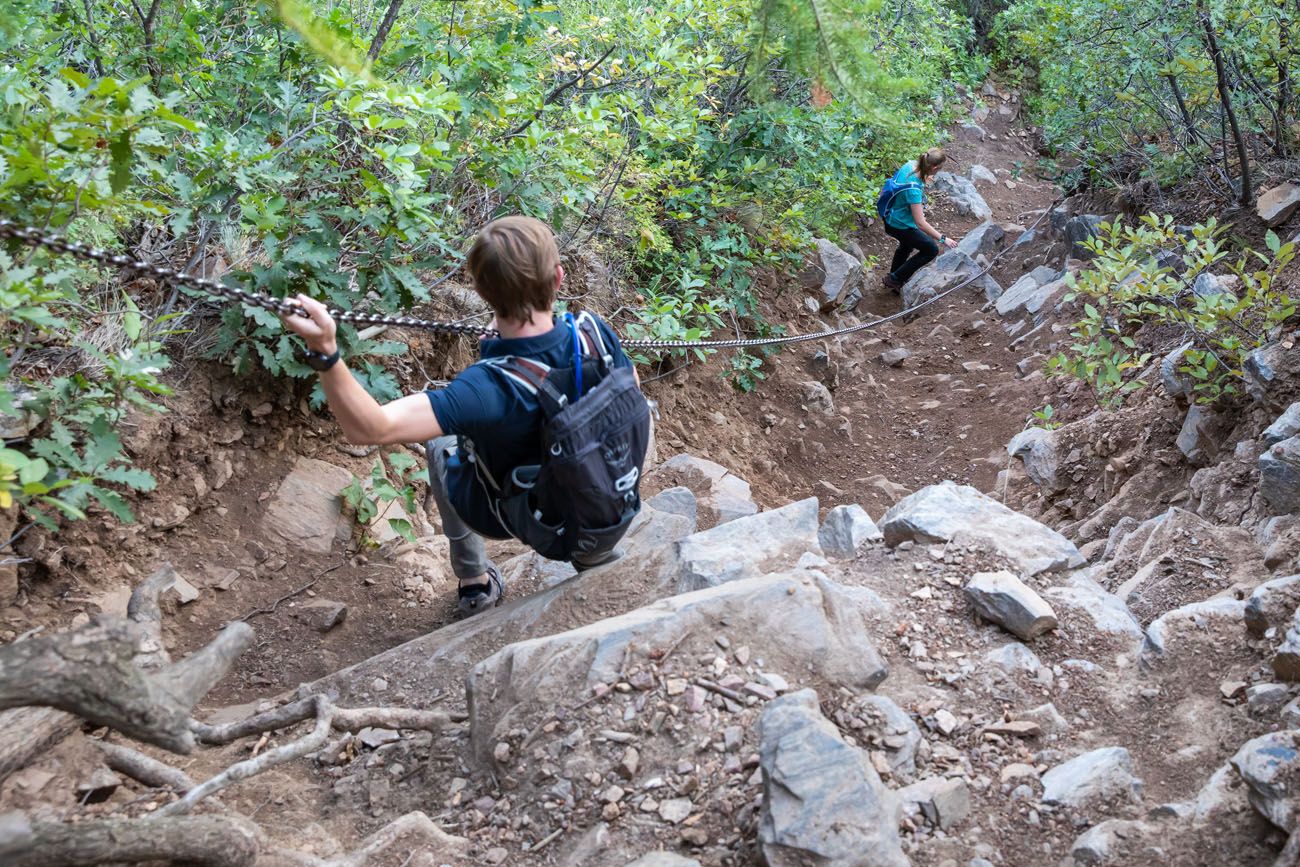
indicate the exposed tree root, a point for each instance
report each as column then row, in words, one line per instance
column 217, row 841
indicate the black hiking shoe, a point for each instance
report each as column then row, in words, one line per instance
column 477, row 598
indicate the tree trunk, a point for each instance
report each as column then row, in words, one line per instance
column 1280, row 131
column 381, row 35
column 217, row 841
column 1225, row 99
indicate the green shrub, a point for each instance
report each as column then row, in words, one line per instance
column 1141, row 288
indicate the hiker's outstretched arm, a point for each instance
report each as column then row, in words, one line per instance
column 364, row 421
column 918, row 216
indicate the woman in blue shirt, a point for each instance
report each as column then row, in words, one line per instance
column 905, row 220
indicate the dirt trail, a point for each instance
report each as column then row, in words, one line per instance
column 945, row 413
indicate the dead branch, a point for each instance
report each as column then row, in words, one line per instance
column 92, row 672
column 144, row 769
column 344, row 719
column 217, row 841
column 251, row 767
column 27, row 732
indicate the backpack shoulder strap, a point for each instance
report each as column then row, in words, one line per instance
column 592, row 341
column 533, row 377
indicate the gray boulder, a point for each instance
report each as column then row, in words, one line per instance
column 1270, row 768
column 1272, row 604
column 1177, row 384
column 1031, row 293
column 1036, row 448
column 846, row 530
column 1079, row 229
column 949, row 270
column 1284, row 426
column 1004, row 599
column 797, row 623
column 1275, row 206
column 747, row 547
column 1196, row 440
column 1263, row 371
column 823, row 802
column 843, row 281
column 898, row 734
column 941, row 801
column 1201, row 623
column 963, row 195
column 1286, row 662
column 1104, row 774
column 985, row 239
column 1014, row 658
column 721, row 495
column 981, row 175
column 1279, row 476
column 942, row 512
column 677, row 501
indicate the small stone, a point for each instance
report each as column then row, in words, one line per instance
column 630, row 762
column 1265, row 699
column 731, row 738
column 675, row 686
column 697, row 837
column 496, row 855
column 695, row 697
column 675, row 810
column 758, row 690
column 896, row 356
column 610, row 812
column 1016, row 771
column 1230, row 689
column 946, row 722
column 612, row 795
column 776, row 681
column 322, row 614
column 375, row 737
column 184, row 590
column 98, row 787
column 501, row 753
column 1016, row 728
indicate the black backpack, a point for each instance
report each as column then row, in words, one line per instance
column 583, row 496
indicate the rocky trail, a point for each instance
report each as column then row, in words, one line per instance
column 1057, row 647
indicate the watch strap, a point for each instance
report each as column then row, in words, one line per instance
column 319, row 361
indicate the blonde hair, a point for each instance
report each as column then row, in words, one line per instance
column 930, row 162
column 513, row 264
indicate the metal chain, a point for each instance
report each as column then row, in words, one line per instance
column 38, row 238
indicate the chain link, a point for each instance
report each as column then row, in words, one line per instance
column 284, row 307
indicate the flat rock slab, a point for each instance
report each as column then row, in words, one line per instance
column 1082, row 596
column 744, row 548
column 1279, row 476
column 800, row 623
column 1196, row 625
column 823, row 802
column 1004, row 599
column 306, row 509
column 941, row 512
column 1104, row 774
column 428, row 668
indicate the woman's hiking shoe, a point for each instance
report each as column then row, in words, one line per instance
column 891, row 284
column 477, row 598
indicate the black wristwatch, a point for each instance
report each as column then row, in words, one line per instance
column 319, row 361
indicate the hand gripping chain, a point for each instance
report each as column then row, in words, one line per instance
column 170, row 276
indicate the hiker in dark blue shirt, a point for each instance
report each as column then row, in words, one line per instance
column 488, row 422
column 904, row 218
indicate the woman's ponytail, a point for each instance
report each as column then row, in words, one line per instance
column 930, row 162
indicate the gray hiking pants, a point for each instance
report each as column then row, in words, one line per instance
column 468, row 554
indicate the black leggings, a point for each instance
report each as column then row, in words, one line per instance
column 915, row 250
